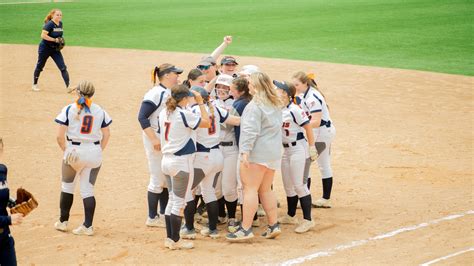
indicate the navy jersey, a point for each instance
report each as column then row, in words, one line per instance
column 239, row 106
column 4, row 197
column 54, row 31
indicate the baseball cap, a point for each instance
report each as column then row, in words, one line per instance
column 181, row 91
column 282, row 86
column 207, row 61
column 228, row 60
column 224, row 79
column 169, row 70
column 202, row 91
column 249, row 70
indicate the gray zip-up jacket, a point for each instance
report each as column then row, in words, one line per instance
column 260, row 133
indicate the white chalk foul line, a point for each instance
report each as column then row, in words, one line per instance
column 447, row 256
column 331, row 251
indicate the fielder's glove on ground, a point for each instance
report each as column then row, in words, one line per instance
column 25, row 202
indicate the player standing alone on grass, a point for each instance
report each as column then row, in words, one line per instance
column 152, row 104
column 85, row 127
column 51, row 37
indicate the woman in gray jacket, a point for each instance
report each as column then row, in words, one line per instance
column 260, row 155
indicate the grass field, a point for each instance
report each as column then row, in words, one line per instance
column 430, row 35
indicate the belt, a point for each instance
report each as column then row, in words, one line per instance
column 202, row 148
column 79, row 143
column 299, row 136
column 287, row 145
column 325, row 123
column 227, row 144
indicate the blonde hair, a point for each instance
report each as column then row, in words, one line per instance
column 50, row 15
column 86, row 89
column 306, row 79
column 156, row 72
column 264, row 91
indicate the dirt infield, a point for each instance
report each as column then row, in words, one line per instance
column 402, row 156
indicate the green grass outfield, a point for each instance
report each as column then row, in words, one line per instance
column 430, row 35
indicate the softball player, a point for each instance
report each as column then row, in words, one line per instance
column 208, row 163
column 208, row 63
column 177, row 126
column 228, row 66
column 52, row 29
column 7, row 243
column 259, row 156
column 295, row 153
column 226, row 184
column 314, row 104
column 152, row 104
column 85, row 126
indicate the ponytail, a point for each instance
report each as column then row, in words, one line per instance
column 186, row 83
column 154, row 74
column 50, row 15
column 171, row 105
column 83, row 103
column 211, row 109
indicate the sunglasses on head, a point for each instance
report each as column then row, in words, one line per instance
column 204, row 67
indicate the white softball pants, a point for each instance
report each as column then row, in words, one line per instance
column 157, row 179
column 292, row 169
column 227, row 181
column 325, row 135
column 211, row 163
column 178, row 171
column 85, row 169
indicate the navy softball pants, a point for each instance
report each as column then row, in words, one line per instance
column 44, row 52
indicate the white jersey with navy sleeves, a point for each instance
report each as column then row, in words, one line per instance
column 313, row 102
column 294, row 118
column 209, row 137
column 156, row 96
column 227, row 131
column 177, row 131
column 87, row 127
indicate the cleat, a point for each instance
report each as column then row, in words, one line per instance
column 61, row 226
column 286, row 219
column 240, row 235
column 205, row 231
column 272, row 231
column 181, row 244
column 232, row 225
column 158, row 221
column 35, row 87
column 222, row 220
column 185, row 233
column 82, row 230
column 321, row 203
column 304, row 226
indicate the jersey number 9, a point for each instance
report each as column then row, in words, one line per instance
column 87, row 122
